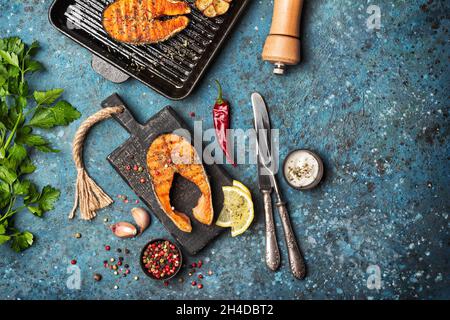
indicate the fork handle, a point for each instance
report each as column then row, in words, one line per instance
column 272, row 251
column 296, row 260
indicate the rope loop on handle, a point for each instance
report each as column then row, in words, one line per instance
column 88, row 195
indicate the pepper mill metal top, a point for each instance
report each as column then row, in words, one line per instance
column 282, row 46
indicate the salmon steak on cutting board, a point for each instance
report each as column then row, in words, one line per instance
column 140, row 21
column 171, row 154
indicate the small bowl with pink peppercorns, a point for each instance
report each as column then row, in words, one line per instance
column 161, row 259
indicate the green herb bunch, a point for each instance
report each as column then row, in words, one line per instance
column 20, row 112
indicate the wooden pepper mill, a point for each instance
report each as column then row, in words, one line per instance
column 282, row 46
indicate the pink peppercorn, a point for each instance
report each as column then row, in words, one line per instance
column 107, row 248
column 73, row 261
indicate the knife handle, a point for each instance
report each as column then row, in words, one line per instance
column 272, row 251
column 296, row 260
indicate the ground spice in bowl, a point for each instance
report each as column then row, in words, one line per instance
column 161, row 259
column 303, row 169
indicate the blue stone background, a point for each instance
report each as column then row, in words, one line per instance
column 373, row 104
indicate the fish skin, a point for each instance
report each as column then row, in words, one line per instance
column 136, row 21
column 169, row 154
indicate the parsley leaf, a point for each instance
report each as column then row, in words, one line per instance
column 10, row 58
column 47, row 97
column 61, row 114
column 7, row 175
column 22, row 241
column 49, row 196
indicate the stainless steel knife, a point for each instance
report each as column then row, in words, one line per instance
column 267, row 181
column 265, row 186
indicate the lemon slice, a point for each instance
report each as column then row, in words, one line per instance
column 224, row 219
column 237, row 211
column 241, row 186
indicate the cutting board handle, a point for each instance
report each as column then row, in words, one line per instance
column 125, row 118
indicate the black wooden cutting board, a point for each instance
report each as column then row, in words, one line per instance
column 184, row 194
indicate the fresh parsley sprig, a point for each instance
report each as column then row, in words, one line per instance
column 21, row 112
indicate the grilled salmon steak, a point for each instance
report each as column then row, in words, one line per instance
column 137, row 21
column 169, row 154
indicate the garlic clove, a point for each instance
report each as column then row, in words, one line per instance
column 124, row 230
column 141, row 217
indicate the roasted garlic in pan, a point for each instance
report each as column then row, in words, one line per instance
column 213, row 8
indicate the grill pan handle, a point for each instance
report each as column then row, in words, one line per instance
column 108, row 71
column 125, row 118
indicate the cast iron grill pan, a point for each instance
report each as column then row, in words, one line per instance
column 172, row 68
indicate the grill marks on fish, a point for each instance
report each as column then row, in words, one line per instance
column 170, row 154
column 137, row 21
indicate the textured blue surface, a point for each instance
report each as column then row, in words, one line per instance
column 374, row 105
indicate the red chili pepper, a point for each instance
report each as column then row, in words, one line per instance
column 221, row 115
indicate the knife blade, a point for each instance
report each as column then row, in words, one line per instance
column 262, row 128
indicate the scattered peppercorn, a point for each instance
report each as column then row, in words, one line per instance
column 136, row 278
column 119, row 250
column 127, row 251
column 128, row 168
column 142, row 180
column 116, row 287
column 73, row 261
column 97, row 277
column 200, row 286
column 193, row 283
column 107, row 248
column 77, row 235
column 194, row 265
column 200, row 263
column 166, row 283
column 126, row 266
column 210, row 272
column 105, row 220
column 200, row 276
column 135, row 167
column 112, row 259
column 192, row 114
